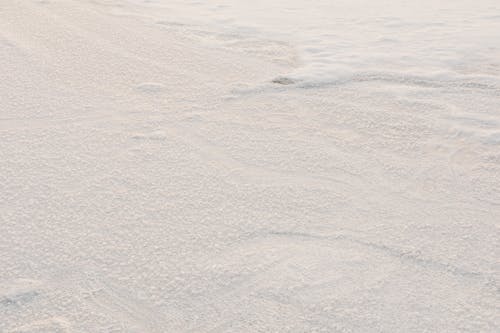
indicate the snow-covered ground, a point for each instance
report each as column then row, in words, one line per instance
column 154, row 178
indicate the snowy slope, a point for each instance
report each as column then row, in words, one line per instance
column 153, row 178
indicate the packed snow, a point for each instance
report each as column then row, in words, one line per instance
column 249, row 166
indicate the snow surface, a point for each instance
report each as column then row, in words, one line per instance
column 249, row 166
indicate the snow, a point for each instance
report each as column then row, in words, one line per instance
column 249, row 166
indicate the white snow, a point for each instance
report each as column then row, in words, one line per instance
column 249, row 166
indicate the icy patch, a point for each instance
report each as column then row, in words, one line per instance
column 150, row 87
column 155, row 135
column 19, row 292
column 50, row 325
column 283, row 80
